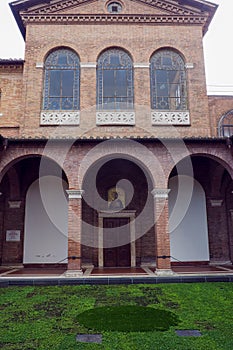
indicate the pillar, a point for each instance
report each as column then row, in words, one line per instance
column 162, row 237
column 218, row 231
column 74, row 233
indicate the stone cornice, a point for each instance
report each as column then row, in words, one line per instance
column 110, row 19
column 11, row 66
column 175, row 12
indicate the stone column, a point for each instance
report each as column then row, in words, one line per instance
column 162, row 237
column 74, row 233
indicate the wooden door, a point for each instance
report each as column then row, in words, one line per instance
column 115, row 255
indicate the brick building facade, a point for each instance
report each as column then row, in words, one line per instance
column 112, row 154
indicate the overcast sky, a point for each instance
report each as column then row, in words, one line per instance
column 218, row 45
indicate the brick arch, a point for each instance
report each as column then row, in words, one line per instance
column 53, row 47
column 126, row 149
column 9, row 160
column 110, row 47
column 170, row 48
column 223, row 158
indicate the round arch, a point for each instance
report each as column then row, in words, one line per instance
column 112, row 47
column 60, row 47
column 223, row 158
column 127, row 149
column 171, row 48
column 8, row 161
column 210, row 191
column 225, row 161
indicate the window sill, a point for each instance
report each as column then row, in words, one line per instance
column 115, row 118
column 59, row 118
column 170, row 117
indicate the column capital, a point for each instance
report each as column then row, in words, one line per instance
column 216, row 202
column 14, row 204
column 160, row 193
column 75, row 194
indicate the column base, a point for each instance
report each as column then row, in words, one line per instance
column 73, row 273
column 220, row 262
column 164, row 272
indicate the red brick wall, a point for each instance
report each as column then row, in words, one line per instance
column 11, row 84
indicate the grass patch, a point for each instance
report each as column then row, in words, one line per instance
column 130, row 318
column 49, row 318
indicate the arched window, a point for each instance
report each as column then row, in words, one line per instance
column 61, row 81
column 114, row 80
column 225, row 126
column 168, row 81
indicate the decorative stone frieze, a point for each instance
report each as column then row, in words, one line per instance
column 170, row 118
column 115, row 118
column 59, row 118
column 160, row 193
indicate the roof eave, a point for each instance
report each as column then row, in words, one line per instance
column 19, row 5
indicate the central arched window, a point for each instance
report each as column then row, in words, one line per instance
column 61, row 81
column 168, row 81
column 115, row 80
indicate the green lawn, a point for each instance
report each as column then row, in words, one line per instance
column 47, row 318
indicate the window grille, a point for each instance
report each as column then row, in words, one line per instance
column 115, row 81
column 61, row 81
column 225, row 126
column 168, row 81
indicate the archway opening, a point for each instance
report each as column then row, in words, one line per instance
column 118, row 217
column 200, row 224
column 24, row 228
